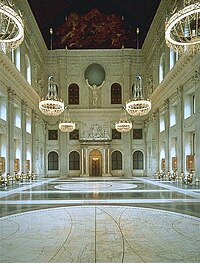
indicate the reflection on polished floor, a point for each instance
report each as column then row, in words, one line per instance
column 100, row 220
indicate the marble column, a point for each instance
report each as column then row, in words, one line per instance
column 180, row 118
column 33, row 154
column 23, row 127
column 197, row 124
column 10, row 123
column 167, row 127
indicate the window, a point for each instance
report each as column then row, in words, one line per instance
column 73, row 94
column 74, row 135
column 74, row 161
column 116, row 94
column 116, row 160
column 18, row 117
column 137, row 133
column 17, row 58
column 53, row 161
column 172, row 116
column 193, row 104
column 172, row 58
column 28, row 69
column 187, row 107
column 162, row 122
column 3, row 108
column 116, row 135
column 162, row 68
column 53, row 135
column 137, row 160
column 28, row 124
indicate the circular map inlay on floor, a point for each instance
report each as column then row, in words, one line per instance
column 89, row 234
column 95, row 186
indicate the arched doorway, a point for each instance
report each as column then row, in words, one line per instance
column 95, row 163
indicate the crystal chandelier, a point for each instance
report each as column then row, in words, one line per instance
column 182, row 30
column 11, row 26
column 66, row 125
column 51, row 105
column 138, row 106
column 123, row 125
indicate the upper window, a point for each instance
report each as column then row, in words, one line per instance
column 17, row 58
column 18, row 117
column 3, row 108
column 116, row 93
column 193, row 104
column 162, row 68
column 74, row 161
column 137, row 160
column 28, row 123
column 116, row 160
column 162, row 122
column 172, row 58
column 53, row 161
column 73, row 94
column 28, row 69
column 189, row 105
column 172, row 116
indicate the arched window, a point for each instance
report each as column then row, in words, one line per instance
column 28, row 69
column 116, row 160
column 73, row 94
column 162, row 68
column 74, row 161
column 53, row 161
column 138, row 160
column 116, row 93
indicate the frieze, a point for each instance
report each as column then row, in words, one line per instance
column 196, row 76
column 94, row 132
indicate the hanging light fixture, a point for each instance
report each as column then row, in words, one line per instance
column 138, row 106
column 66, row 125
column 11, row 26
column 182, row 30
column 123, row 125
column 51, row 105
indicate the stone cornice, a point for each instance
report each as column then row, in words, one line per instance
column 179, row 75
column 12, row 79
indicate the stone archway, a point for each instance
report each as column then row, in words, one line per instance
column 95, row 163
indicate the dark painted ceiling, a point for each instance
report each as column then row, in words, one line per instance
column 127, row 15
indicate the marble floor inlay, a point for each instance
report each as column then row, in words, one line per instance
column 95, row 186
column 99, row 220
column 88, row 234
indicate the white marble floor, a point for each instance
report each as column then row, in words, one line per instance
column 88, row 234
column 117, row 220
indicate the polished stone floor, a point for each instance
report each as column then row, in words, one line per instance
column 100, row 220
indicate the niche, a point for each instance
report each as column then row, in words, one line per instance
column 2, row 164
column 163, row 164
column 190, row 163
column 27, row 165
column 16, row 165
column 174, row 163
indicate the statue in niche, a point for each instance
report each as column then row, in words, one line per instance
column 94, row 89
